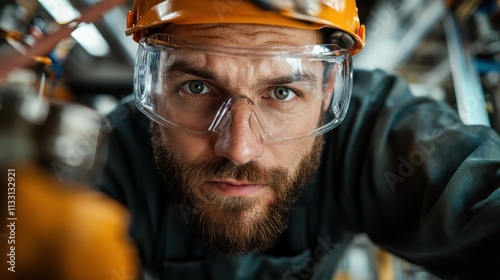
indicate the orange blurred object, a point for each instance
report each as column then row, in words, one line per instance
column 61, row 231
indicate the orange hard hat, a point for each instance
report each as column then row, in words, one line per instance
column 341, row 15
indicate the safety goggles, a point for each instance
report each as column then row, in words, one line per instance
column 280, row 94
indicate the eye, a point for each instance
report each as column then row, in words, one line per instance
column 195, row 87
column 283, row 93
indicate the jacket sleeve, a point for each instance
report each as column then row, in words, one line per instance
column 130, row 175
column 419, row 182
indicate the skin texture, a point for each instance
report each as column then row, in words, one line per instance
column 236, row 190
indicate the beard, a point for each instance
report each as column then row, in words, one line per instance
column 233, row 225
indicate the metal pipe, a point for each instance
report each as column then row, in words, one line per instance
column 47, row 43
column 468, row 90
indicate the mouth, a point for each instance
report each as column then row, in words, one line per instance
column 236, row 188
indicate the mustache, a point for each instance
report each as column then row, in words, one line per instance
column 250, row 172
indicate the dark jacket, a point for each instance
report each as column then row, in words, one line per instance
column 401, row 169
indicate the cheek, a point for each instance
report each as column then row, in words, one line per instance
column 188, row 148
column 197, row 150
column 290, row 155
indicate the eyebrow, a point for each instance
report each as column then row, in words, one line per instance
column 305, row 78
column 302, row 77
column 184, row 67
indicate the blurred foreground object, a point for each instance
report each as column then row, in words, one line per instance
column 63, row 233
column 54, row 227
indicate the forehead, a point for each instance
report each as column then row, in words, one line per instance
column 246, row 35
column 241, row 70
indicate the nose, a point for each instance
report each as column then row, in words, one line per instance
column 239, row 133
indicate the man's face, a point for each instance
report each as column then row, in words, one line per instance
column 235, row 190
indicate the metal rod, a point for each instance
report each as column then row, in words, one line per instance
column 41, row 88
column 47, row 43
column 468, row 90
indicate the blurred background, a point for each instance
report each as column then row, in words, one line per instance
column 448, row 50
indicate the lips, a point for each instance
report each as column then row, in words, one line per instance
column 237, row 189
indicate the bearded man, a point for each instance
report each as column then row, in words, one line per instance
column 223, row 159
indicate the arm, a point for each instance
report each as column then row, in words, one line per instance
column 131, row 178
column 428, row 191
